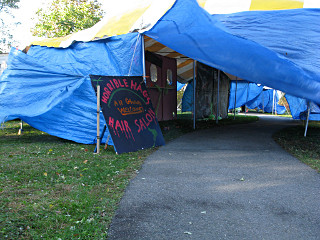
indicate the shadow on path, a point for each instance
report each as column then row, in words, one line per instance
column 230, row 182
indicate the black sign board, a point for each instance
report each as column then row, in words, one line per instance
column 128, row 111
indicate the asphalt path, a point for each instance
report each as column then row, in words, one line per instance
column 230, row 182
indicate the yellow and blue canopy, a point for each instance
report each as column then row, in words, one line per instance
column 147, row 12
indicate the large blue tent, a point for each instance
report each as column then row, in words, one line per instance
column 50, row 87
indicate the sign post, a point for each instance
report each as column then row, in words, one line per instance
column 98, row 118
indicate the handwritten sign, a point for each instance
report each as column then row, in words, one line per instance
column 128, row 111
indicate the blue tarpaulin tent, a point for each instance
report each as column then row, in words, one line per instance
column 246, row 92
column 285, row 59
column 253, row 97
column 299, row 108
column 267, row 101
column 49, row 88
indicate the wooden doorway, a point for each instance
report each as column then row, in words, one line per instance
column 162, row 85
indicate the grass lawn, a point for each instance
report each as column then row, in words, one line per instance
column 307, row 149
column 56, row 189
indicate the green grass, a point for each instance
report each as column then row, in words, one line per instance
column 52, row 188
column 306, row 149
column 56, row 189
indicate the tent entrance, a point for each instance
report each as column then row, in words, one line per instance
column 161, row 62
column 163, row 68
column 162, row 85
column 210, row 91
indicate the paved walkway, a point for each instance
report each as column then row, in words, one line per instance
column 231, row 182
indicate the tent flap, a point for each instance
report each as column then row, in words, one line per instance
column 215, row 44
column 29, row 88
column 55, row 86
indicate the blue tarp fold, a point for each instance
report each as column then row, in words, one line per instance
column 246, row 92
column 187, row 99
column 265, row 100
column 50, row 88
column 299, row 108
column 235, row 45
column 29, row 88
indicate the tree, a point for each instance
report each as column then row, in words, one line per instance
column 6, row 4
column 6, row 37
column 64, row 17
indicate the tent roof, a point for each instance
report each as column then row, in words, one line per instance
column 277, row 49
column 147, row 12
column 119, row 21
column 273, row 48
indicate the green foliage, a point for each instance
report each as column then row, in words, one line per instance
column 179, row 96
column 6, row 4
column 64, row 17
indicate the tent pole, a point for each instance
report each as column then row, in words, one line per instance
column 245, row 106
column 98, row 119
column 272, row 103
column 262, row 101
column 217, row 113
column 307, row 123
column 21, row 128
column 143, row 59
column 275, row 103
column 235, row 100
column 194, row 94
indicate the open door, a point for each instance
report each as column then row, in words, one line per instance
column 162, row 85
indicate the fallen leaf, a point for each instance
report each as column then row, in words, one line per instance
column 45, row 174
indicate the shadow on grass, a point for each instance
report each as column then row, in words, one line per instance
column 184, row 124
column 306, row 149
